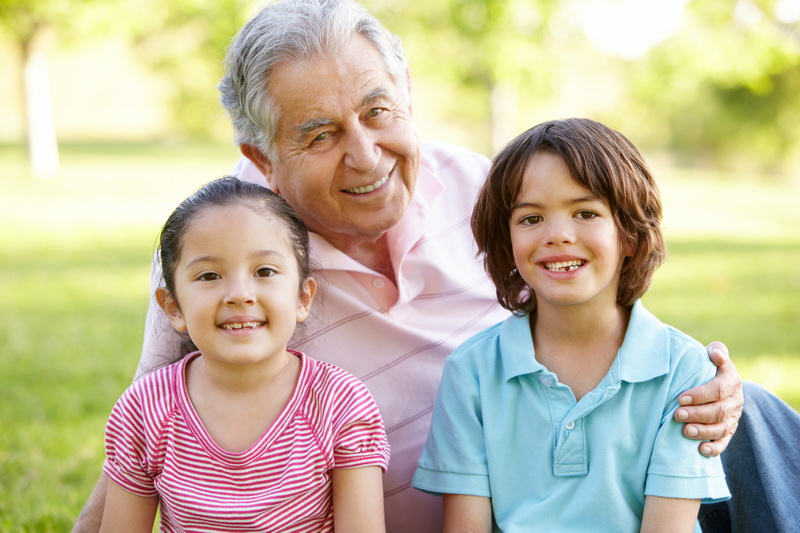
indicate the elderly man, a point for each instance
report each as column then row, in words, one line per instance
column 319, row 95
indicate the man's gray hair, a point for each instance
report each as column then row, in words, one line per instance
column 293, row 30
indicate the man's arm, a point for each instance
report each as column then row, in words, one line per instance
column 711, row 412
column 92, row 514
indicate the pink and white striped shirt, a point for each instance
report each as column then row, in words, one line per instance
column 157, row 445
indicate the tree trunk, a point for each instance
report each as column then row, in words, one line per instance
column 40, row 122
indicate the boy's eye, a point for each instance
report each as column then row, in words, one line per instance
column 586, row 214
column 208, row 276
column 530, row 220
column 265, row 272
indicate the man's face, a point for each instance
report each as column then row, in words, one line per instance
column 347, row 154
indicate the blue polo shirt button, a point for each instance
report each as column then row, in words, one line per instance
column 547, row 382
column 570, row 425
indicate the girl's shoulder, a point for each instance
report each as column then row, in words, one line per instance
column 157, row 388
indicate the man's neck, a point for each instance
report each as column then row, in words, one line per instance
column 373, row 254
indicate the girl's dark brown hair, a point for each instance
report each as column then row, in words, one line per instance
column 599, row 159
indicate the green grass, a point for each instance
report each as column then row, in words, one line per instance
column 74, row 270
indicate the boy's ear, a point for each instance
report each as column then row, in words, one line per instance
column 169, row 305
column 305, row 299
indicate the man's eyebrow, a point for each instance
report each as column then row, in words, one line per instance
column 312, row 124
column 373, row 96
column 304, row 128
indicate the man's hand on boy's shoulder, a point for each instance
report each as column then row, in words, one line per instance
column 711, row 411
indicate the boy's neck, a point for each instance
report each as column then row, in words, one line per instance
column 579, row 343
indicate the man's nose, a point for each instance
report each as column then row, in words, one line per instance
column 362, row 152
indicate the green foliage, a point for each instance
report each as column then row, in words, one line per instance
column 185, row 41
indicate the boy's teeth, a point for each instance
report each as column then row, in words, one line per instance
column 563, row 266
column 240, row 325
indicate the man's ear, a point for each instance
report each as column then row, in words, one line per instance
column 169, row 305
column 261, row 162
column 305, row 299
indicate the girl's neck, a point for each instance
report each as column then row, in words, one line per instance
column 579, row 343
column 237, row 405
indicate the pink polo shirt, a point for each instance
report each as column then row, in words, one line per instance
column 395, row 337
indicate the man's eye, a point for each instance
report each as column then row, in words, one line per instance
column 375, row 111
column 265, row 272
column 322, row 136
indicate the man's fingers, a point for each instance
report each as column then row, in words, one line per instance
column 715, row 447
column 725, row 385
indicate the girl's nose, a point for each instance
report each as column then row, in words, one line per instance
column 239, row 293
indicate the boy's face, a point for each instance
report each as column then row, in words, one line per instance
column 565, row 241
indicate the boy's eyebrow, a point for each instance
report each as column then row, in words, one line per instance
column 573, row 201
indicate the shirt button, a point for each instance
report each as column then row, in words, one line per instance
column 547, row 382
column 570, row 425
column 377, row 283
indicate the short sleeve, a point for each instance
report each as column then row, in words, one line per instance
column 454, row 460
column 361, row 439
column 677, row 469
column 126, row 458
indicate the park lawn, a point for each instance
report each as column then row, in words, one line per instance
column 74, row 270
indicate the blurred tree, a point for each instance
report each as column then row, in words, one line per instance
column 482, row 52
column 727, row 84
column 186, row 41
column 33, row 25
column 28, row 22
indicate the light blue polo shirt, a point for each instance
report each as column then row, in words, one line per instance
column 504, row 427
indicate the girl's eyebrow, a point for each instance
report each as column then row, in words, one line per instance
column 258, row 254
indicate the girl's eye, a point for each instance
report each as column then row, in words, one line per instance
column 586, row 215
column 265, row 272
column 208, row 276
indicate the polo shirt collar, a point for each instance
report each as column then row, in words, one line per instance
column 402, row 237
column 641, row 357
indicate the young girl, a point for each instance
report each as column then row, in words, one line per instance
column 242, row 435
column 561, row 417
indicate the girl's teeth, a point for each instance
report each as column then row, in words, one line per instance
column 240, row 325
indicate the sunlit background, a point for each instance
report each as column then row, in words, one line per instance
column 109, row 117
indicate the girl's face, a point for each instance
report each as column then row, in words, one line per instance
column 236, row 286
column 565, row 241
